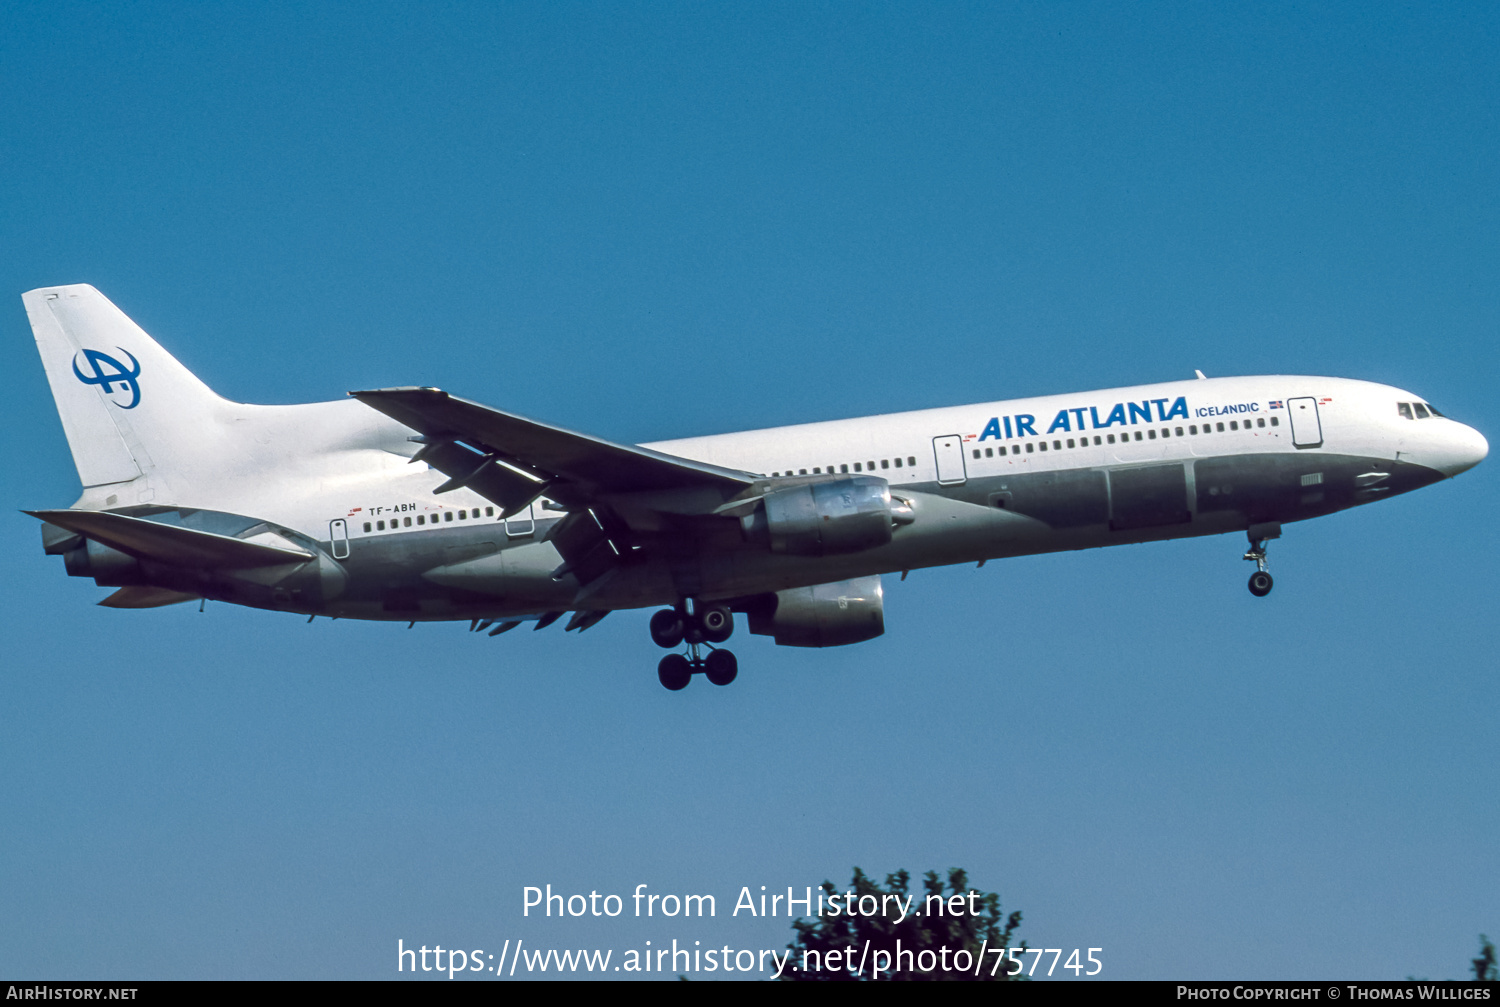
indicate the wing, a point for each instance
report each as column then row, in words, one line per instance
column 511, row 456
column 612, row 491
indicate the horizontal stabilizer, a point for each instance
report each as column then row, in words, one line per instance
column 166, row 543
column 146, row 597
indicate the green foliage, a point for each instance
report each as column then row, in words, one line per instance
column 1484, row 966
column 895, row 945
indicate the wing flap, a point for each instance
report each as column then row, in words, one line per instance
column 485, row 474
column 170, row 543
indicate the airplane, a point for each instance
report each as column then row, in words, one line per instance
column 409, row 504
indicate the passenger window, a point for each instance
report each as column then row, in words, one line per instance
column 1404, row 408
column 843, row 468
column 1275, row 422
column 1421, row 410
column 1002, row 451
column 817, row 471
column 1137, row 435
column 1042, row 445
column 1151, row 434
column 989, row 452
column 898, row 463
column 856, row 467
column 447, row 515
column 1260, row 422
column 802, row 472
column 407, row 522
column 1179, row 431
column 1070, row 442
column 885, row 463
column 380, row 526
column 911, row 460
column 488, row 512
column 976, row 452
column 1193, row 430
column 367, row 526
column 1057, row 445
column 421, row 519
column 1030, row 447
column 869, row 466
column 1221, row 428
column 1111, row 438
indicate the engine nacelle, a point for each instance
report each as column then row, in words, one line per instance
column 824, row 615
column 109, row 567
column 828, row 518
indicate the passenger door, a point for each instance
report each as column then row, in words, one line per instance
column 1307, row 428
column 949, row 454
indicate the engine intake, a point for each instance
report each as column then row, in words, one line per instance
column 826, row 518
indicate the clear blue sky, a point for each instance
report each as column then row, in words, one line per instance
column 647, row 221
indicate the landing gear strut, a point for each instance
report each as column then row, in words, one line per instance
column 1260, row 580
column 705, row 625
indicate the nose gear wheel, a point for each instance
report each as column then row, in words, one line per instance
column 1260, row 580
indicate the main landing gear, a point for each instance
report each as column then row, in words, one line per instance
column 1260, row 580
column 704, row 626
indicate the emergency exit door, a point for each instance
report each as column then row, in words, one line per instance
column 521, row 523
column 338, row 537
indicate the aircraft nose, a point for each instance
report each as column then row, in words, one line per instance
column 1466, row 448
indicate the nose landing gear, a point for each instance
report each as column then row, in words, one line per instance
column 705, row 625
column 1259, row 535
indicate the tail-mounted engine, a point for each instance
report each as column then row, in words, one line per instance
column 827, row 518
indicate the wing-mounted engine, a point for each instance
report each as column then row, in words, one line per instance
column 827, row 518
column 824, row 615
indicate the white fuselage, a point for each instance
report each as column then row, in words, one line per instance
column 411, row 504
column 968, row 473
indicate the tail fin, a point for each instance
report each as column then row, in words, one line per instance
column 116, row 389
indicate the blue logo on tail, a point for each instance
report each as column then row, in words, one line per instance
column 122, row 376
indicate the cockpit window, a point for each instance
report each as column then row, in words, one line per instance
column 1434, row 410
column 1422, row 413
column 1404, row 408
